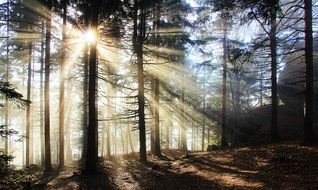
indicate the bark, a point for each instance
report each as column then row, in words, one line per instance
column 62, row 98
column 29, row 149
column 108, row 139
column 41, row 100
column 203, row 116
column 309, row 91
column 85, row 96
column 152, row 127
column 92, row 138
column 48, row 164
column 224, row 140
column 273, row 49
column 183, row 123
column 6, row 117
column 138, row 37
column 157, row 126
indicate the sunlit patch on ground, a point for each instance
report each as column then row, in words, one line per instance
column 265, row 167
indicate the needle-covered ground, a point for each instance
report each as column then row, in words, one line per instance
column 283, row 166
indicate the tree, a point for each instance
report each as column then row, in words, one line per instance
column 62, row 81
column 138, row 38
column 224, row 140
column 29, row 149
column 92, row 150
column 265, row 13
column 309, row 91
column 48, row 164
column 156, row 82
column 273, row 4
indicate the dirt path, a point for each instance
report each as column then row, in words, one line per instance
column 267, row 167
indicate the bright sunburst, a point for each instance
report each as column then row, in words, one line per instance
column 89, row 36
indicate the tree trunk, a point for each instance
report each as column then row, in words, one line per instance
column 138, row 38
column 29, row 150
column 224, row 140
column 152, row 127
column 62, row 98
column 203, row 115
column 48, row 164
column 273, row 43
column 85, row 94
column 108, row 139
column 184, row 146
column 157, row 126
column 92, row 144
column 6, row 117
column 41, row 100
column 308, row 127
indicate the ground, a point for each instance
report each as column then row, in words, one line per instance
column 283, row 166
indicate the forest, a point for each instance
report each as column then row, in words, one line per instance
column 158, row 94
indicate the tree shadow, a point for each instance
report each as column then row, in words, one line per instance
column 73, row 178
column 161, row 178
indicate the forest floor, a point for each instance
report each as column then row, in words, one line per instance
column 282, row 166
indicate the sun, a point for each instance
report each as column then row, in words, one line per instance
column 89, row 36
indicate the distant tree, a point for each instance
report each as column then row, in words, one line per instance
column 62, row 82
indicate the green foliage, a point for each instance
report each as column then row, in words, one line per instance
column 11, row 178
column 4, row 166
column 9, row 93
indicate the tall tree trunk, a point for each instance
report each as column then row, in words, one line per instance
column 108, row 139
column 309, row 92
column 68, row 110
column 41, row 100
column 48, row 164
column 273, row 44
column 152, row 127
column 157, row 126
column 62, row 98
column 85, row 95
column 156, row 82
column 29, row 149
column 224, row 140
column 203, row 115
column 92, row 140
column 138, row 38
column 6, row 117
column 184, row 146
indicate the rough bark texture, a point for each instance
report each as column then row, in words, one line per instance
column 85, row 103
column 157, row 126
column 6, row 119
column 41, row 101
column 138, row 37
column 224, row 141
column 28, row 150
column 273, row 49
column 92, row 143
column 48, row 164
column 62, row 98
column 184, row 143
column 308, row 127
